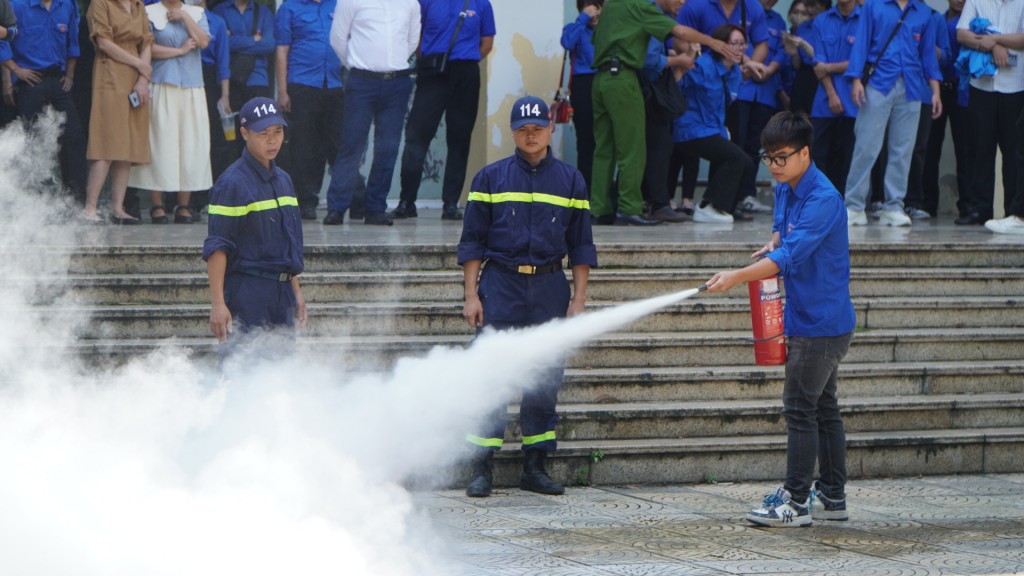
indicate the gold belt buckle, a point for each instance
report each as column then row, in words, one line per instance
column 527, row 269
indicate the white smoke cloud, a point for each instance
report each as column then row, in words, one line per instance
column 276, row 466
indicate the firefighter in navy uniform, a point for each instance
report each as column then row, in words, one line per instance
column 524, row 214
column 253, row 248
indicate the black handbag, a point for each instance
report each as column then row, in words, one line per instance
column 663, row 100
column 435, row 64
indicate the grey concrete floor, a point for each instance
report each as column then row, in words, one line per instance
column 917, row 526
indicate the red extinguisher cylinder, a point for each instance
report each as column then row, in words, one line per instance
column 766, row 318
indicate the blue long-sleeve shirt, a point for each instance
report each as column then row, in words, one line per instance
column 578, row 38
column 519, row 214
column 217, row 52
column 766, row 92
column 46, row 38
column 814, row 257
column 242, row 40
column 254, row 219
column 911, row 54
column 305, row 27
column 706, row 15
column 709, row 88
column 834, row 38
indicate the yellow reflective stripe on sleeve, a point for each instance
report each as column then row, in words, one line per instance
column 531, row 440
column 529, row 198
column 484, row 442
column 254, row 207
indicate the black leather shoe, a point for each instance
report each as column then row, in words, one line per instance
column 741, row 216
column 606, row 220
column 334, row 218
column 667, row 214
column 404, row 210
column 378, row 219
column 969, row 219
column 307, row 212
column 634, row 220
column 451, row 212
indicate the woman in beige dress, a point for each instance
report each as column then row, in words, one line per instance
column 118, row 129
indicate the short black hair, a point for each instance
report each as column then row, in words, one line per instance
column 787, row 128
column 581, row 4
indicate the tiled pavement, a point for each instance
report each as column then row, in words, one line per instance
column 917, row 526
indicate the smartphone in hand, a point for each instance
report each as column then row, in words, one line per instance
column 134, row 99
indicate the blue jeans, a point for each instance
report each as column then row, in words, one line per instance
column 902, row 117
column 810, row 404
column 383, row 103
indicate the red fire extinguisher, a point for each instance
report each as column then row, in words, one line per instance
column 766, row 317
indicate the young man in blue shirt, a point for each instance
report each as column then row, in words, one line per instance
column 251, row 31
column 810, row 248
column 41, row 60
column 526, row 213
column 309, row 90
column 453, row 92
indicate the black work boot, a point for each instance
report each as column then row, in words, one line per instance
column 483, row 476
column 404, row 210
column 535, row 478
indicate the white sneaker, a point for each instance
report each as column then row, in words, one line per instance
column 750, row 204
column 1008, row 225
column 894, row 218
column 711, row 214
column 855, row 218
column 779, row 510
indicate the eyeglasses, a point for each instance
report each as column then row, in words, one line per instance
column 778, row 160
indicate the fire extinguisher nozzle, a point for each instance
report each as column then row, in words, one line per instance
column 702, row 288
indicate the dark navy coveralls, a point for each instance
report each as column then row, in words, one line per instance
column 254, row 219
column 523, row 215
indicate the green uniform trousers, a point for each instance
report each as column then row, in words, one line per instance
column 619, row 125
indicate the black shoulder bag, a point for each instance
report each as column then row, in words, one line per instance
column 242, row 65
column 435, row 64
column 663, row 100
column 869, row 67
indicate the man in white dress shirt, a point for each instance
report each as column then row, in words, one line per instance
column 375, row 41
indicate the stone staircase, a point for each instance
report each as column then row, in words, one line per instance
column 933, row 383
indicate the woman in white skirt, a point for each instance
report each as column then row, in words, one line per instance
column 179, row 127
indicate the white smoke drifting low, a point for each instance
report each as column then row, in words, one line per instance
column 279, row 467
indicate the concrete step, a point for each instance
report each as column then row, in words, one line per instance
column 605, row 284
column 624, row 350
column 720, row 459
column 638, row 420
column 166, row 321
column 135, row 260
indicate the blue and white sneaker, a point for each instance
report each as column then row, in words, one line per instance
column 779, row 510
column 825, row 508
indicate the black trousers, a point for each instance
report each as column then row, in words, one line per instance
column 314, row 127
column 659, row 156
column 222, row 152
column 832, row 150
column 734, row 167
column 1016, row 206
column 582, row 102
column 993, row 118
column 455, row 95
column 745, row 123
column 30, row 102
column 915, row 197
column 962, row 149
column 690, row 166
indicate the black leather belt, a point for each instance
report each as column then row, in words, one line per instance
column 279, row 277
column 527, row 268
column 382, row 75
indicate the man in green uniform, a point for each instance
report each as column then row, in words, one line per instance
column 620, row 46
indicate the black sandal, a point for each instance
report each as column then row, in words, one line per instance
column 158, row 219
column 180, row 218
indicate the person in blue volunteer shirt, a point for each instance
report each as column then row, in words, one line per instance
column 253, row 248
column 526, row 213
column 41, row 59
column 309, row 82
column 775, row 21
column 905, row 75
column 810, row 248
column 954, row 109
column 833, row 112
column 216, row 72
column 710, row 87
column 453, row 93
column 578, row 39
column 799, row 45
column 251, row 29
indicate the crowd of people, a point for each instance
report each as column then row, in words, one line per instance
column 147, row 88
column 879, row 80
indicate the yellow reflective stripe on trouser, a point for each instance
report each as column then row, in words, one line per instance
column 529, row 197
column 531, row 440
column 254, row 207
column 484, row 442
